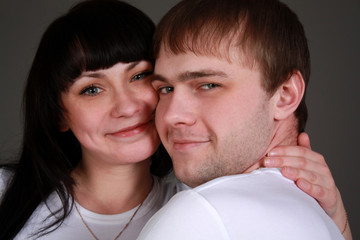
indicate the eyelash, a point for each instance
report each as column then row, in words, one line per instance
column 209, row 86
column 140, row 76
column 168, row 89
column 86, row 90
column 137, row 77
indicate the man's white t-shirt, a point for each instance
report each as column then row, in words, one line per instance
column 257, row 206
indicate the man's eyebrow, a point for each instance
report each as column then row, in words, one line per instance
column 190, row 75
column 183, row 77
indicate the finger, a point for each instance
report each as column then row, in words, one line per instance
column 304, row 140
column 311, row 178
column 297, row 151
column 325, row 197
column 295, row 168
column 297, row 162
column 295, row 174
column 322, row 189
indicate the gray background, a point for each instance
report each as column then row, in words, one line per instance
column 333, row 31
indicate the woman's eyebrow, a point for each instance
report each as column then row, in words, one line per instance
column 92, row 75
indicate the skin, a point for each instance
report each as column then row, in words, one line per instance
column 205, row 135
column 111, row 113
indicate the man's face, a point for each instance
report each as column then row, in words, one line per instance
column 214, row 117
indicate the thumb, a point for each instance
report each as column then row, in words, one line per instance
column 304, row 140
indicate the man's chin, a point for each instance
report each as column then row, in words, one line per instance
column 191, row 177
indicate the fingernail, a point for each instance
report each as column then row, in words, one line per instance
column 268, row 162
column 272, row 153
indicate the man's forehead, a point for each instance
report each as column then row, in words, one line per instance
column 226, row 52
column 193, row 63
column 189, row 64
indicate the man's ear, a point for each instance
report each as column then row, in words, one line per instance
column 289, row 96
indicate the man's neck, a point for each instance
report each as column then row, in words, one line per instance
column 285, row 134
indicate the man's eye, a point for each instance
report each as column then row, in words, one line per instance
column 165, row 90
column 91, row 91
column 209, row 86
column 140, row 76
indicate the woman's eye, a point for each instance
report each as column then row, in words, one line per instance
column 209, row 86
column 91, row 91
column 141, row 76
column 165, row 90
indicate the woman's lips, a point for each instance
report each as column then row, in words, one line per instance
column 131, row 131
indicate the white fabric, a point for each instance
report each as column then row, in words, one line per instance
column 104, row 226
column 4, row 180
column 260, row 205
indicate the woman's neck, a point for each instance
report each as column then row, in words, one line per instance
column 112, row 189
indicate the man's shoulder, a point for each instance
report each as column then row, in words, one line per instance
column 264, row 197
column 186, row 216
column 235, row 207
column 255, row 186
column 264, row 189
column 264, row 192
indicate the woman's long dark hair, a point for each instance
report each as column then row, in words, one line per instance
column 93, row 35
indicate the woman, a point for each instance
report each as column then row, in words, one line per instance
column 90, row 165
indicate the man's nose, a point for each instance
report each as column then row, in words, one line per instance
column 180, row 110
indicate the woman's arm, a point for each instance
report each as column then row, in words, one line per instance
column 312, row 175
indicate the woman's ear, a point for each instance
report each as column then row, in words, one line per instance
column 62, row 126
column 289, row 96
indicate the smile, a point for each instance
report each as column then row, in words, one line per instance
column 131, row 131
column 182, row 145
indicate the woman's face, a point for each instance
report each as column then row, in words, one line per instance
column 111, row 113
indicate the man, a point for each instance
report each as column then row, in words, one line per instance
column 231, row 76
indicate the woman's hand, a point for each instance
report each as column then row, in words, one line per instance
column 312, row 175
